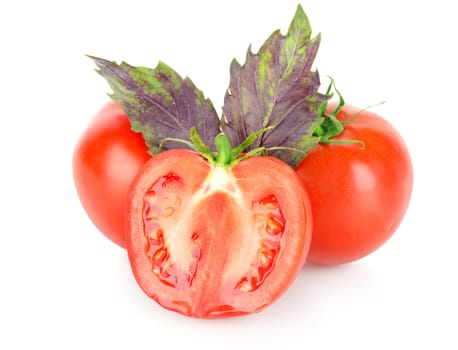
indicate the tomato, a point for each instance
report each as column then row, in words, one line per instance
column 359, row 194
column 105, row 161
column 210, row 241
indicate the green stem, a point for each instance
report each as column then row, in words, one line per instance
column 318, row 131
column 223, row 146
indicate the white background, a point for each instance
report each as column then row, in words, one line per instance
column 63, row 285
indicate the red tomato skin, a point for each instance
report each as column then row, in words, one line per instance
column 106, row 159
column 213, row 224
column 359, row 195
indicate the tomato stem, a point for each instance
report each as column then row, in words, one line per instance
column 224, row 147
column 318, row 131
column 330, row 126
column 225, row 155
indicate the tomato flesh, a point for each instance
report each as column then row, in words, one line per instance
column 208, row 241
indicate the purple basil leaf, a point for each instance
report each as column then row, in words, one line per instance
column 277, row 87
column 160, row 104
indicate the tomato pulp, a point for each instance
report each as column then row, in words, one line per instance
column 106, row 159
column 359, row 194
column 211, row 241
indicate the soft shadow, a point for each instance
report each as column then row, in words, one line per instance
column 318, row 287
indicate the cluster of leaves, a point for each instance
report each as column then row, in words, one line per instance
column 274, row 95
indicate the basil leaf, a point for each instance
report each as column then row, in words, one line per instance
column 277, row 87
column 160, row 104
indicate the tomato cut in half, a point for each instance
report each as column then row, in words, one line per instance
column 211, row 241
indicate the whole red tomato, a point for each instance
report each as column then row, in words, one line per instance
column 359, row 195
column 213, row 240
column 105, row 161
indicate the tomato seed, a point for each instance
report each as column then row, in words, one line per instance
column 159, row 256
column 167, row 212
column 266, row 256
column 275, row 225
column 270, row 202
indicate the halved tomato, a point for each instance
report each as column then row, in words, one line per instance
column 209, row 240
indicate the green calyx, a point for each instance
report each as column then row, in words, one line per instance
column 225, row 155
column 330, row 126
